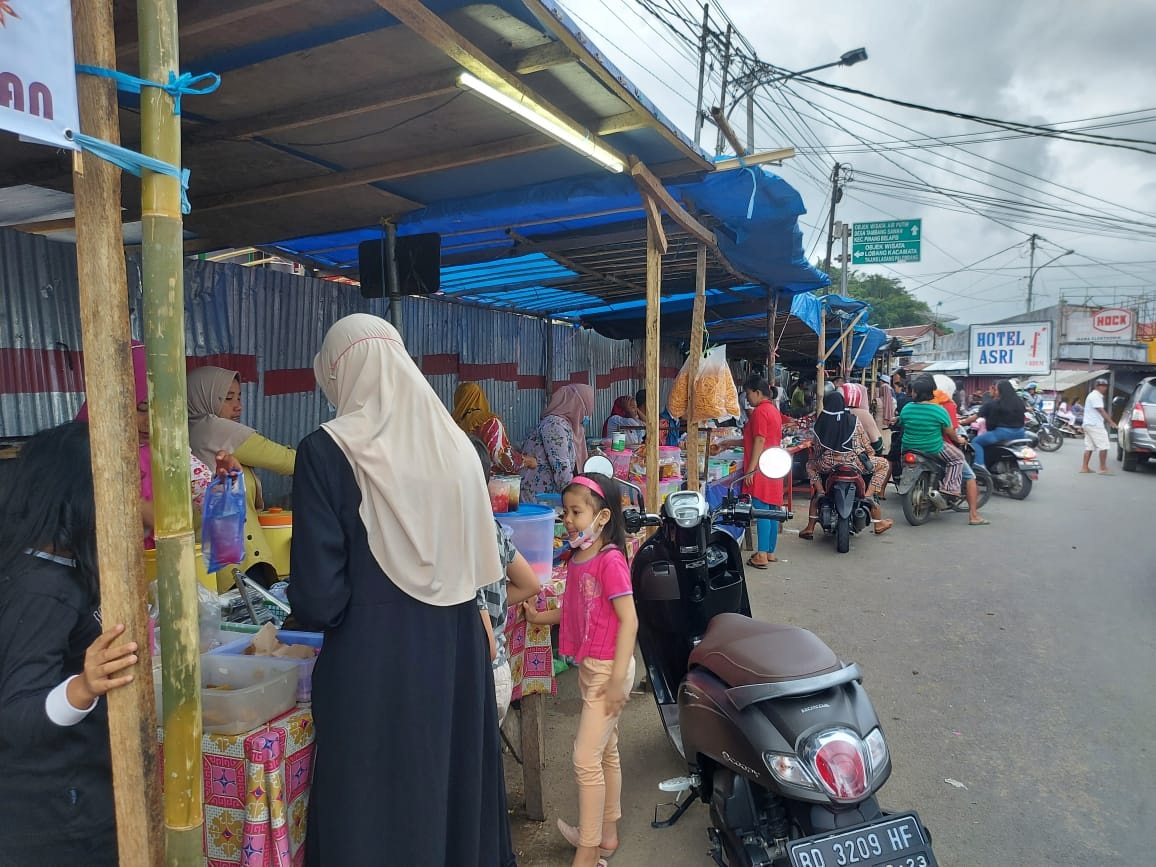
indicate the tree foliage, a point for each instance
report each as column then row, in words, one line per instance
column 892, row 306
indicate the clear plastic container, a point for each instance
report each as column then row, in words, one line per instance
column 532, row 531
column 505, row 493
column 621, row 461
column 238, row 646
column 241, row 693
column 669, row 462
column 669, row 486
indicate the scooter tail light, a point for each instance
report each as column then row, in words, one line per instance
column 909, row 458
column 1139, row 420
column 1030, row 454
column 838, row 758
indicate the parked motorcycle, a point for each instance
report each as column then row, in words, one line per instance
column 1049, row 437
column 922, row 497
column 1013, row 466
column 779, row 736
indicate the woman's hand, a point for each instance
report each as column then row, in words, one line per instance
column 102, row 666
column 531, row 612
column 530, row 462
column 226, row 464
column 614, row 697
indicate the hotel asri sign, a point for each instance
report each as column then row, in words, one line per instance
column 37, row 71
column 1016, row 349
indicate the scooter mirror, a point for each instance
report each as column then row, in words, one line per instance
column 599, row 464
column 775, row 463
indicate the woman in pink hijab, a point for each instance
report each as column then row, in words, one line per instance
column 559, row 441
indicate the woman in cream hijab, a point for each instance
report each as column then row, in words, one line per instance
column 214, row 397
column 392, row 537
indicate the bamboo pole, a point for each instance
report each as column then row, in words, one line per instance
column 109, row 385
column 164, row 307
column 821, row 372
column 697, row 324
column 653, row 361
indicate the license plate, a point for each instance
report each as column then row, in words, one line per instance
column 897, row 841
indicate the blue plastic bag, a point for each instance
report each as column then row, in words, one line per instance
column 223, row 528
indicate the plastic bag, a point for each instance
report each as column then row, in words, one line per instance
column 223, row 529
column 208, row 618
column 715, row 396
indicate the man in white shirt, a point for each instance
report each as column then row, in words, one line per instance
column 1096, row 420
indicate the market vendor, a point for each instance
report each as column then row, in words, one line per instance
column 664, row 419
column 214, row 397
column 624, row 417
column 764, row 430
column 558, row 443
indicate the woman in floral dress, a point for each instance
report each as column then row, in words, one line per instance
column 558, row 443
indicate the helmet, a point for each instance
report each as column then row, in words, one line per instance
column 1032, row 386
column 944, row 383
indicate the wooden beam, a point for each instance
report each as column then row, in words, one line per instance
column 542, row 57
column 201, row 16
column 44, row 227
column 697, row 324
column 653, row 363
column 136, row 778
column 775, row 156
column 729, row 134
column 625, row 122
column 654, row 222
column 433, row 29
column 389, row 171
column 652, row 186
column 533, row 755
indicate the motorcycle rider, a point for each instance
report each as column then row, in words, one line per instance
column 1032, row 397
column 927, row 428
column 1003, row 414
column 839, row 438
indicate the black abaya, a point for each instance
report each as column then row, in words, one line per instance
column 408, row 765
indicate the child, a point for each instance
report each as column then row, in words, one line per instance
column 599, row 626
column 494, row 599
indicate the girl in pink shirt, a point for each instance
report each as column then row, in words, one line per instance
column 599, row 626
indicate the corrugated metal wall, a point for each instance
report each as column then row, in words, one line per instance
column 272, row 323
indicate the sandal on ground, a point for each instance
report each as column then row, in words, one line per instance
column 883, row 525
column 751, row 562
column 570, row 833
column 982, row 522
column 806, row 535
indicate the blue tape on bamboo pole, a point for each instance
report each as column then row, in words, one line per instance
column 134, row 163
column 185, row 84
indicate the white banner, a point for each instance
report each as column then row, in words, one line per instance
column 37, row 71
column 1010, row 350
column 1112, row 325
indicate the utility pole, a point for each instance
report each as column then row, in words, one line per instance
column 1031, row 270
column 702, row 49
column 835, row 196
column 845, row 261
column 718, row 149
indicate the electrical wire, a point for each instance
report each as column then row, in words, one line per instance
column 376, row 132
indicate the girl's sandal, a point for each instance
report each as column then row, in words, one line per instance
column 883, row 525
column 806, row 536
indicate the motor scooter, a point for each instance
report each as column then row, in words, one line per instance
column 1049, row 437
column 844, row 508
column 778, row 734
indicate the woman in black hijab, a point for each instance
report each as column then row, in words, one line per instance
column 839, row 439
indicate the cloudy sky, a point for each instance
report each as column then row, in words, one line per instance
column 1070, row 64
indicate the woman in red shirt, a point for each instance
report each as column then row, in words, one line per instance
column 764, row 430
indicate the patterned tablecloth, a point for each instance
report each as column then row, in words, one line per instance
column 256, row 788
column 529, row 644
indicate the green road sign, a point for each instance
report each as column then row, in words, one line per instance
column 891, row 241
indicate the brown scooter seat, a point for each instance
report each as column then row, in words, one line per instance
column 744, row 652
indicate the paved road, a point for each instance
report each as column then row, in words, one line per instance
column 1018, row 660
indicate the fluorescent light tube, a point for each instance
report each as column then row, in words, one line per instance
column 547, row 123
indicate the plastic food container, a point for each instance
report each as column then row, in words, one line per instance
column 241, row 693
column 237, row 647
column 621, row 461
column 532, row 530
column 669, row 462
column 278, row 526
column 505, row 493
column 669, row 486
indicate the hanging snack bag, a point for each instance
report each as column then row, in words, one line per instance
column 715, row 396
column 223, row 530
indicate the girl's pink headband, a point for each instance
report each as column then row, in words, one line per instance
column 588, row 483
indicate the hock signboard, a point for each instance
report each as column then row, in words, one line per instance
column 37, row 71
column 1110, row 325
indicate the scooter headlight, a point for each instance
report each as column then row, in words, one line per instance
column 788, row 769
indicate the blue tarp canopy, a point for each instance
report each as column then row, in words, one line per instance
column 575, row 249
column 840, row 312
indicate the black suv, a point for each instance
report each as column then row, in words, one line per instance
column 1136, row 439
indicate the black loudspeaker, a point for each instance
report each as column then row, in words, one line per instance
column 419, row 265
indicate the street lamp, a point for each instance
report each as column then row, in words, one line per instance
column 1033, row 271
column 767, row 74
